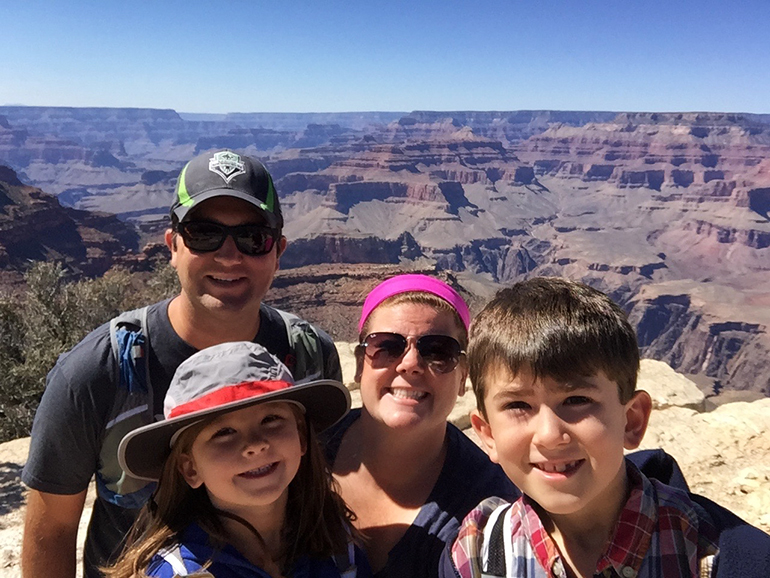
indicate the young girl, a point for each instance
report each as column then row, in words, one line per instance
column 243, row 488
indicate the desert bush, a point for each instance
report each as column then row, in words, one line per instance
column 53, row 315
column 163, row 283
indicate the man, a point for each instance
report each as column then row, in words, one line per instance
column 225, row 241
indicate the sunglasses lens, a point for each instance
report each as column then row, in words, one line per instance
column 384, row 347
column 202, row 236
column 441, row 352
column 254, row 240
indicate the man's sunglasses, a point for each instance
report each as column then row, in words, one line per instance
column 441, row 352
column 206, row 236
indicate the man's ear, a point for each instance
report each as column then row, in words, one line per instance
column 638, row 411
column 170, row 237
column 189, row 472
column 482, row 429
column 281, row 247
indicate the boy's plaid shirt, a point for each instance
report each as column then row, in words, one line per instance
column 660, row 533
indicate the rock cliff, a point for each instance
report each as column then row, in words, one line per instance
column 35, row 227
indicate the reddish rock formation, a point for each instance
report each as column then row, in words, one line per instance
column 35, row 227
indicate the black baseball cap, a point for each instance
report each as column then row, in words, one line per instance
column 226, row 173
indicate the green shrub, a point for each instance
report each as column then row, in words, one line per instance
column 51, row 317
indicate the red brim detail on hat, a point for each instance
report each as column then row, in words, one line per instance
column 227, row 394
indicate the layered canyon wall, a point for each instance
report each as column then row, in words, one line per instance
column 666, row 212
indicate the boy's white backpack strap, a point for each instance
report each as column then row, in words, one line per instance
column 496, row 550
column 706, row 566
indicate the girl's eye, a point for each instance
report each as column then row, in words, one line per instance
column 272, row 418
column 578, row 400
column 223, row 431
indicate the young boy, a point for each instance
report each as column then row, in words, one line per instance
column 553, row 365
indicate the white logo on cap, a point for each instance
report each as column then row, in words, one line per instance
column 227, row 165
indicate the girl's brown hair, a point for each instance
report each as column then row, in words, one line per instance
column 318, row 523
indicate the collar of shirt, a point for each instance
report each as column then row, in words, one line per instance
column 650, row 508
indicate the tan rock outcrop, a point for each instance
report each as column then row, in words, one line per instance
column 669, row 388
column 725, row 453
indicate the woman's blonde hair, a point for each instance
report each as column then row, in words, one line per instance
column 318, row 523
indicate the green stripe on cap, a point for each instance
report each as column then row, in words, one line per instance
column 181, row 189
column 270, row 206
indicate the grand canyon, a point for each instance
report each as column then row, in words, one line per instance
column 669, row 213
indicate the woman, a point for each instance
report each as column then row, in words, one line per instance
column 409, row 476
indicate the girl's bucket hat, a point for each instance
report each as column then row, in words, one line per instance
column 221, row 379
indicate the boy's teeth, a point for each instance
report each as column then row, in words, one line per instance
column 400, row 393
column 558, row 468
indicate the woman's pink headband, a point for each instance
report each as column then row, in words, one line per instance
column 414, row 283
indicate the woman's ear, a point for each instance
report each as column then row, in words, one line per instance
column 463, row 379
column 189, row 472
column 482, row 429
column 638, row 411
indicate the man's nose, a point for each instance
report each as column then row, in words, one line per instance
column 228, row 251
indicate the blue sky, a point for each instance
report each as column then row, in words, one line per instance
column 328, row 56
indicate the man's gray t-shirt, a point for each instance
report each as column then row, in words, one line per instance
column 70, row 423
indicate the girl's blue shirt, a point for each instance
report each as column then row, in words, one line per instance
column 193, row 550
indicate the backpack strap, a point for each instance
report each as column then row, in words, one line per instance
column 179, row 566
column 706, row 566
column 496, row 550
column 132, row 407
column 130, row 338
column 305, row 345
column 346, row 563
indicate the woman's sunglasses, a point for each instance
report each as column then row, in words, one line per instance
column 441, row 352
column 206, row 236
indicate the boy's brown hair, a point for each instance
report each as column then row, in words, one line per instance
column 554, row 328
